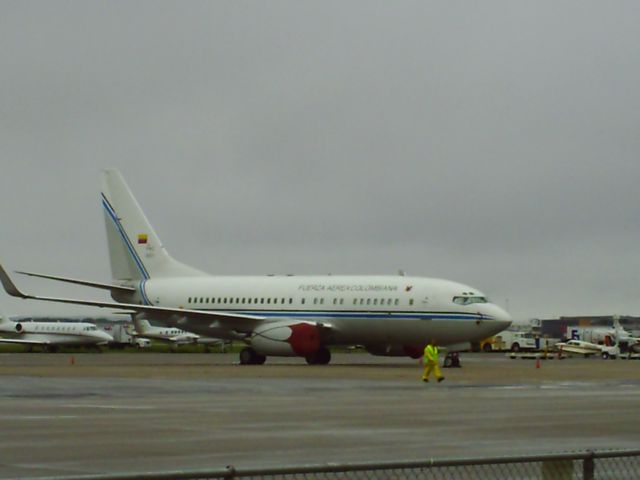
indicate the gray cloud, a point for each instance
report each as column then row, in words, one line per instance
column 493, row 144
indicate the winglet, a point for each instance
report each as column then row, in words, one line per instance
column 9, row 286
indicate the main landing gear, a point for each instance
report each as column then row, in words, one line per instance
column 321, row 357
column 248, row 356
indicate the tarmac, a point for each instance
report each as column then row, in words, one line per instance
column 63, row 414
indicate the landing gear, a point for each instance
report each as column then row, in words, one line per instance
column 452, row 360
column 248, row 356
column 321, row 357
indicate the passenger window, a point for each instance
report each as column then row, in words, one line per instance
column 290, row 301
column 322, row 301
column 342, row 301
column 302, row 301
column 368, row 301
column 411, row 301
column 189, row 299
column 315, row 301
column 396, row 301
column 375, row 301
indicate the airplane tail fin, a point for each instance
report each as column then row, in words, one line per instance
column 141, row 325
column 135, row 251
column 620, row 332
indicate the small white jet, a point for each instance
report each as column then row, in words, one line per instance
column 278, row 315
column 52, row 335
column 588, row 348
column 171, row 335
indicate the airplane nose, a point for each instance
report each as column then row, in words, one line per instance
column 106, row 337
column 503, row 317
column 500, row 318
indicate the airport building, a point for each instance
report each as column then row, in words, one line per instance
column 558, row 327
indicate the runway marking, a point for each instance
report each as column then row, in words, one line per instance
column 112, row 407
column 37, row 417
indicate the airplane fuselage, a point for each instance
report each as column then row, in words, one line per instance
column 54, row 333
column 381, row 312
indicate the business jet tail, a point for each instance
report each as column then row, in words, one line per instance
column 142, row 326
column 135, row 251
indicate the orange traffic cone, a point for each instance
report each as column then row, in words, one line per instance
column 538, row 362
column 72, row 360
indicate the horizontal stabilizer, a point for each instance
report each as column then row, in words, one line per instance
column 86, row 283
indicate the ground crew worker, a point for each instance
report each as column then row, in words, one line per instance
column 431, row 362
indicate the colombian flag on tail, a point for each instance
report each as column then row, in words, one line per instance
column 142, row 238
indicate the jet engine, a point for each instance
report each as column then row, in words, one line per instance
column 19, row 327
column 287, row 338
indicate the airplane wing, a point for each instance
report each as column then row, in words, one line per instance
column 23, row 342
column 183, row 340
column 581, row 351
column 86, row 283
column 179, row 315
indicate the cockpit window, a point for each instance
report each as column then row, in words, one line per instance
column 468, row 300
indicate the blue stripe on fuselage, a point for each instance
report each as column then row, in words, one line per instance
column 334, row 314
column 132, row 252
column 116, row 221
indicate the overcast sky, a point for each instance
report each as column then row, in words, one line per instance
column 492, row 143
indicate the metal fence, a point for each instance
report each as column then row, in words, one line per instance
column 589, row 465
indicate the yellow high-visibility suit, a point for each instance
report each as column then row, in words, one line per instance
column 431, row 363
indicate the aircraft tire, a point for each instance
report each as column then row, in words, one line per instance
column 605, row 355
column 248, row 356
column 515, row 347
column 321, row 357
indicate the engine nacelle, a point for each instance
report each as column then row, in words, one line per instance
column 286, row 339
column 19, row 327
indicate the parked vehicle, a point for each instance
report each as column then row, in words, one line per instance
column 515, row 341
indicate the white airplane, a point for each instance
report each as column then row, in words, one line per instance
column 588, row 348
column 51, row 335
column 171, row 335
column 607, row 336
column 278, row 315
